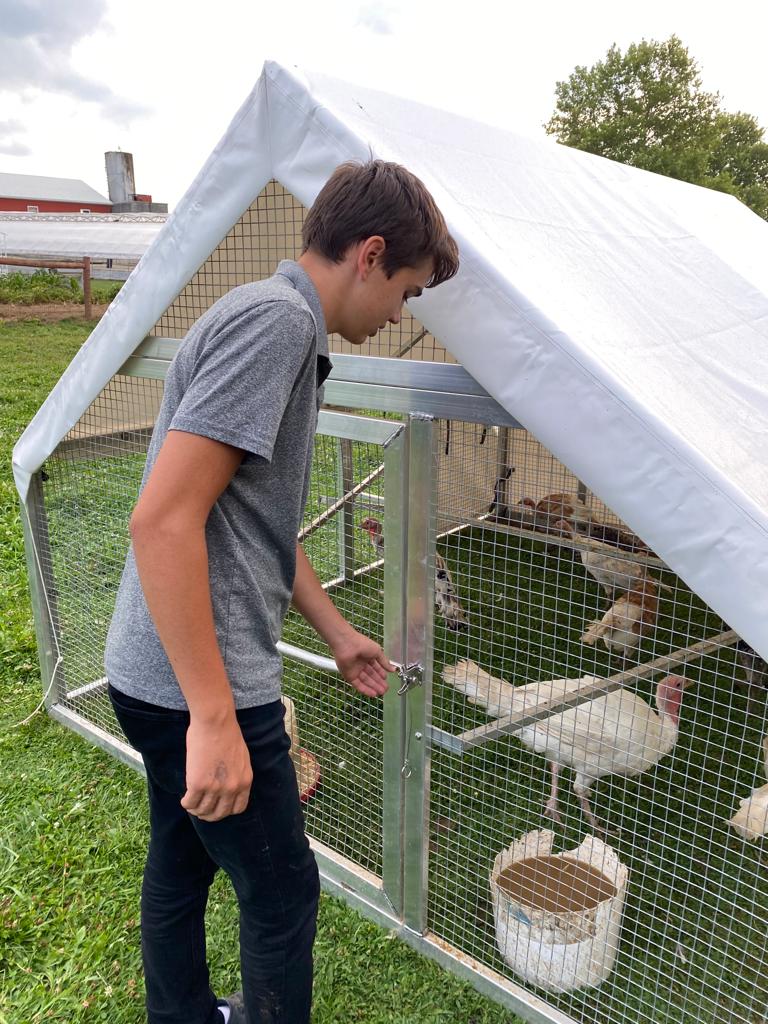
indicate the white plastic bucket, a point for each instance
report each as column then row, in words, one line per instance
column 558, row 916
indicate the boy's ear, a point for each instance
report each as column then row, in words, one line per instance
column 369, row 254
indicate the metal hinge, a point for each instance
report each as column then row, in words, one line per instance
column 410, row 676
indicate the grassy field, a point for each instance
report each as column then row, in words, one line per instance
column 73, row 831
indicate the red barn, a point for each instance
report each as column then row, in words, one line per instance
column 33, row 193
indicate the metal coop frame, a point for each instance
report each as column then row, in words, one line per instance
column 429, row 810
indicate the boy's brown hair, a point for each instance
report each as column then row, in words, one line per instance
column 380, row 198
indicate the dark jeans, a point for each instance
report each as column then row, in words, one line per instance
column 263, row 850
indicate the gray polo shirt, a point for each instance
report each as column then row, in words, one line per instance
column 249, row 374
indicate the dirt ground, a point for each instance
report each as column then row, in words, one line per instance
column 49, row 312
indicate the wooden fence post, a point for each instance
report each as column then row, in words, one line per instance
column 87, row 286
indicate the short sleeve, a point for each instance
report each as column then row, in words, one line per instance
column 243, row 373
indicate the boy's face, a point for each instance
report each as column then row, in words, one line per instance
column 378, row 300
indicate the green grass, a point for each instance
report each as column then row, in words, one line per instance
column 104, row 291
column 73, row 829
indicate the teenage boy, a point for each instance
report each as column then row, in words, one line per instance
column 191, row 659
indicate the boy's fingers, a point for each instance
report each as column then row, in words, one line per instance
column 385, row 663
column 213, row 806
column 199, row 804
column 213, row 811
column 368, row 687
column 241, row 803
column 375, row 676
column 191, row 800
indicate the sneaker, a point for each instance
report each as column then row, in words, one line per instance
column 236, row 1008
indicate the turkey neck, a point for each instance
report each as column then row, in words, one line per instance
column 669, row 719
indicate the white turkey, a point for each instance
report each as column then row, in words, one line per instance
column 614, row 734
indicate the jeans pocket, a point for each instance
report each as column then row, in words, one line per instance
column 159, row 735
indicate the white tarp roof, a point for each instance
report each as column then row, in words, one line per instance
column 57, row 190
column 104, row 237
column 621, row 316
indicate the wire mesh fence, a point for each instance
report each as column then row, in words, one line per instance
column 596, row 794
column 89, row 487
column 559, row 596
column 341, row 728
column 270, row 231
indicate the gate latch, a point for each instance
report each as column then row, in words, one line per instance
column 410, row 676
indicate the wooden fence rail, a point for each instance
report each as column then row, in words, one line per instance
column 84, row 265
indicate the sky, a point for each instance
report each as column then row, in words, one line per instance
column 163, row 79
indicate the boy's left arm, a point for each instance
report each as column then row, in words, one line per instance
column 360, row 660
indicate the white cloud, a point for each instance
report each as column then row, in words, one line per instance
column 36, row 43
column 14, row 148
column 379, row 18
column 9, row 145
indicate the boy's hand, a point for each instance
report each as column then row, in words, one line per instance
column 219, row 773
column 362, row 663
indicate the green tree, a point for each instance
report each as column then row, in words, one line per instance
column 739, row 161
column 647, row 107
